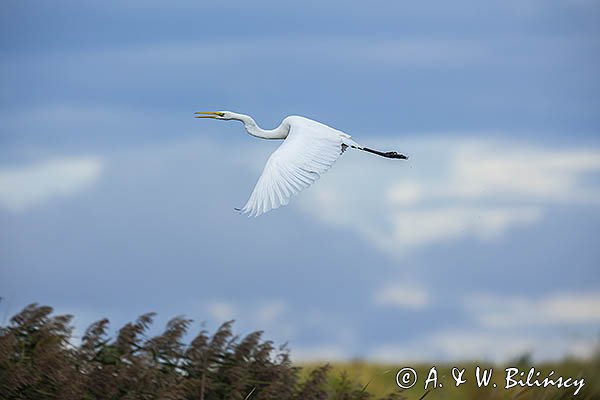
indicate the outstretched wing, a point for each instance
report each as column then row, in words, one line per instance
column 309, row 150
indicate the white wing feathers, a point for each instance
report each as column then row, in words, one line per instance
column 309, row 150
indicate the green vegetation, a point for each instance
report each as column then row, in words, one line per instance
column 39, row 360
column 381, row 379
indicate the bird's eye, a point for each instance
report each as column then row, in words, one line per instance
column 220, row 114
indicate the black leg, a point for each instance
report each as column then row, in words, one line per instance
column 388, row 154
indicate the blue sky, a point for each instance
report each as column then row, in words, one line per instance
column 114, row 201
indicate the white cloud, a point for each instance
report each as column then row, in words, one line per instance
column 452, row 189
column 561, row 308
column 476, row 345
column 421, row 226
column 405, row 193
column 221, row 311
column 485, row 169
column 458, row 345
column 270, row 312
column 38, row 183
column 403, row 296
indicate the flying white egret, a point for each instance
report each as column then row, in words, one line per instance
column 310, row 148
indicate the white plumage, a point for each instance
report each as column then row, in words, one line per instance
column 309, row 149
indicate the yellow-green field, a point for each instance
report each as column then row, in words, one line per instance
column 380, row 379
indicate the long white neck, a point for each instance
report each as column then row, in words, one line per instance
column 253, row 129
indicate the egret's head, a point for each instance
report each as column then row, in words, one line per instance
column 226, row 115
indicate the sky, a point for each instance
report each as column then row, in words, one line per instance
column 114, row 201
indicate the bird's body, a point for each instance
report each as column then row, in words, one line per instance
column 309, row 149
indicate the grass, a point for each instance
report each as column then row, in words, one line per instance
column 39, row 361
column 380, row 379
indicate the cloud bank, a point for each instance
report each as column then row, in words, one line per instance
column 41, row 182
column 452, row 190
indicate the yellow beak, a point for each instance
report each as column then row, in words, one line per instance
column 209, row 114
